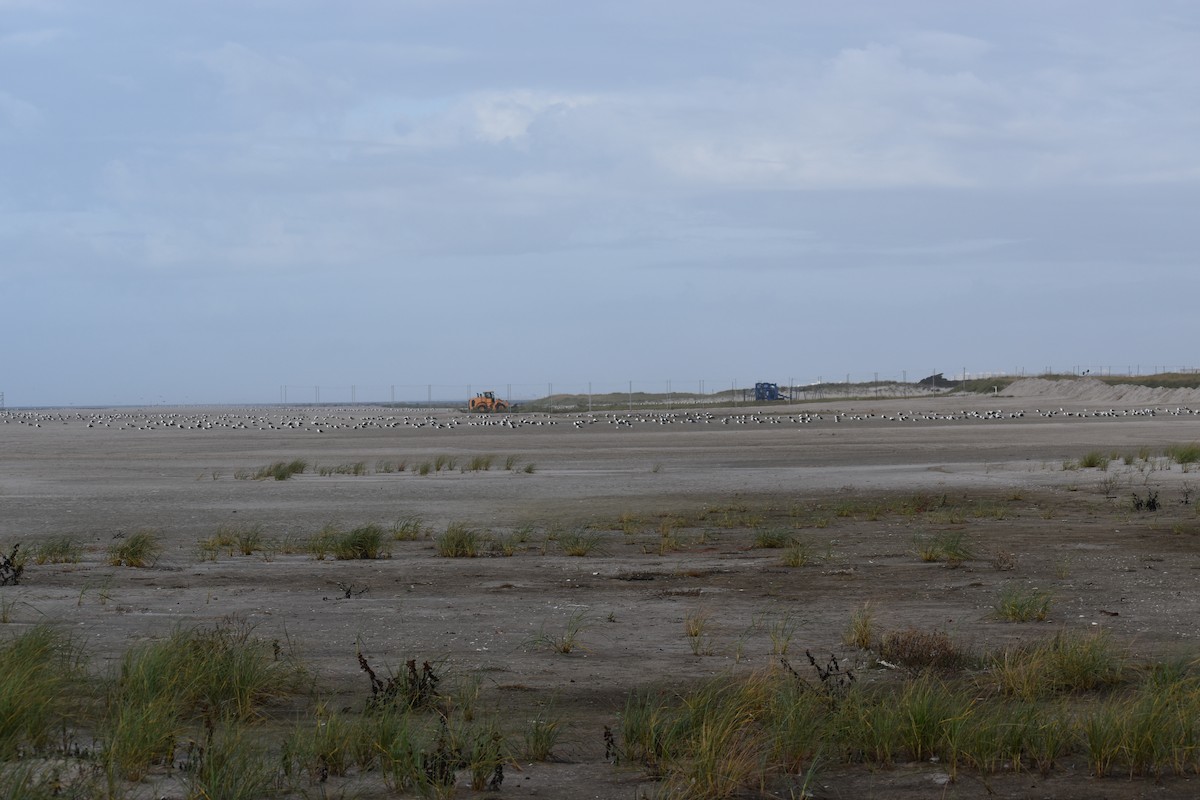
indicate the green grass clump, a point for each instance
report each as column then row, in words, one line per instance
column 773, row 538
column 219, row 674
column 798, row 554
column 356, row 468
column 58, row 550
column 580, row 543
column 244, row 539
column 540, row 736
column 459, row 541
column 1094, row 460
column 51, row 780
column 363, row 542
column 1019, row 604
column 368, row 541
column 281, row 470
column 41, row 671
column 1184, row 453
column 860, row 632
column 409, row 529
column 140, row 549
column 949, row 547
column 480, row 463
column 234, row 765
column 1068, row 662
column 730, row 736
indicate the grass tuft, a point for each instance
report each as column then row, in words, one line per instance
column 1020, row 604
column 140, row 549
column 459, row 541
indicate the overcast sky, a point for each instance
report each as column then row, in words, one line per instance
column 201, row 202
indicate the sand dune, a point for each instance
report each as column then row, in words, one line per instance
column 1091, row 390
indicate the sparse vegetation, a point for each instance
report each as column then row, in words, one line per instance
column 278, row 470
column 773, row 538
column 140, row 549
column 798, row 554
column 950, row 547
column 930, row 681
column 58, row 550
column 580, row 543
column 354, row 468
column 1021, row 604
column 564, row 641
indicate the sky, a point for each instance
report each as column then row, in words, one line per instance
column 240, row 201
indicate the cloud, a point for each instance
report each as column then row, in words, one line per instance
column 508, row 116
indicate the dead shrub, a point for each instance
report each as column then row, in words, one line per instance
column 917, row 649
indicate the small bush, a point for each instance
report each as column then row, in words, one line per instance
column 918, row 649
column 1150, row 503
column 409, row 690
column 12, row 566
column 1003, row 560
column 1094, row 460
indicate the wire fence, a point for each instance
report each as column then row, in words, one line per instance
column 592, row 395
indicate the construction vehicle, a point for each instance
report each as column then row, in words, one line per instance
column 769, row 391
column 486, row 403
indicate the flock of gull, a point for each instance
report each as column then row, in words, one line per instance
column 354, row 419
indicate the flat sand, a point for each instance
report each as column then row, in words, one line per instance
column 621, row 479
